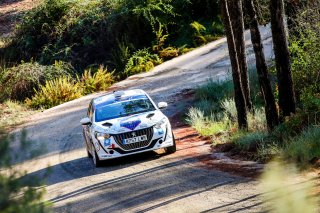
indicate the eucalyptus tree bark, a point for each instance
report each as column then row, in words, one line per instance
column 287, row 103
column 236, row 16
column 238, row 91
column 261, row 65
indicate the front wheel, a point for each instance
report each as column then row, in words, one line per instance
column 89, row 154
column 96, row 161
column 173, row 148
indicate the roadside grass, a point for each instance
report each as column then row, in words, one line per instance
column 214, row 114
column 13, row 113
column 66, row 88
column 305, row 147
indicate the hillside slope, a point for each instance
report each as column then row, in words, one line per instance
column 148, row 182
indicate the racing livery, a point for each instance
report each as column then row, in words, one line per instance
column 124, row 123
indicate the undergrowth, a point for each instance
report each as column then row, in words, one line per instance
column 214, row 114
column 65, row 88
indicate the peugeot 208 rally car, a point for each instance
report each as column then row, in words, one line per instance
column 124, row 123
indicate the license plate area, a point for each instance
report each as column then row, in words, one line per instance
column 135, row 139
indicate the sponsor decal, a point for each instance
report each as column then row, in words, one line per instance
column 143, row 125
column 107, row 142
column 160, row 131
column 130, row 124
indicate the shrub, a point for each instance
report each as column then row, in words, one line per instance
column 20, row 82
column 195, row 118
column 55, row 92
column 268, row 152
column 206, row 126
column 202, row 35
column 215, row 92
column 311, row 99
column 99, row 81
column 305, row 147
column 141, row 61
column 229, row 108
column 291, row 127
column 168, row 53
column 257, row 120
column 250, row 141
column 305, row 50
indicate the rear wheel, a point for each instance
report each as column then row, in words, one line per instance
column 172, row 149
column 96, row 161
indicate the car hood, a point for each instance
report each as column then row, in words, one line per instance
column 129, row 123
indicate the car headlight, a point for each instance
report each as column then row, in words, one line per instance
column 160, row 123
column 101, row 136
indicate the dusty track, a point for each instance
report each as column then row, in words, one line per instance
column 151, row 181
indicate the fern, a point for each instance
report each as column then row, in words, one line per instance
column 142, row 61
column 55, row 92
column 99, row 81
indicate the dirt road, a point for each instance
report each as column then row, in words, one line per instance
column 149, row 182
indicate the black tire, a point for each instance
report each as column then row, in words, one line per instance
column 96, row 161
column 85, row 141
column 172, row 149
column 89, row 154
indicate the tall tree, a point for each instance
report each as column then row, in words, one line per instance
column 236, row 16
column 287, row 103
column 238, row 91
column 261, row 65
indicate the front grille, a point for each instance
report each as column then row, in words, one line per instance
column 119, row 138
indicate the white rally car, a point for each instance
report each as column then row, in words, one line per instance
column 124, row 123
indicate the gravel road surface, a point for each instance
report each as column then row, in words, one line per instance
column 149, row 182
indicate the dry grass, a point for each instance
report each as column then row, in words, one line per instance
column 13, row 114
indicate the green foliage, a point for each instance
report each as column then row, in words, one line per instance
column 257, row 120
column 17, row 194
column 168, row 53
column 64, row 88
column 19, row 82
column 141, row 61
column 310, row 99
column 105, row 32
column 305, row 147
column 214, row 92
column 120, row 56
column 55, row 92
column 206, row 126
column 305, row 54
column 99, row 81
column 250, row 141
column 201, row 35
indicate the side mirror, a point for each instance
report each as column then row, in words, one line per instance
column 85, row 121
column 162, row 105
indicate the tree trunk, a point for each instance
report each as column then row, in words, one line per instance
column 287, row 103
column 262, row 70
column 238, row 92
column 236, row 16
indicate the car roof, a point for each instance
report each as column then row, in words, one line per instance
column 126, row 94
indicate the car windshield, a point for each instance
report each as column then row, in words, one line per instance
column 122, row 109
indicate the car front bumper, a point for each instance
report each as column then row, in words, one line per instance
column 113, row 150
